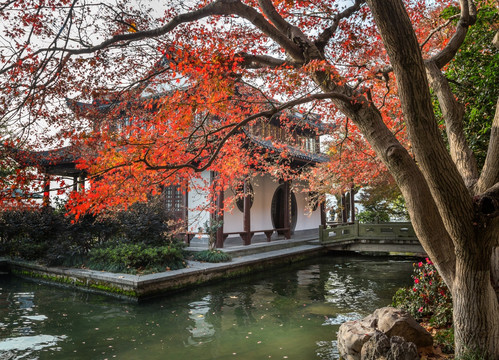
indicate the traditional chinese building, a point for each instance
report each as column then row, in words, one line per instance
column 269, row 207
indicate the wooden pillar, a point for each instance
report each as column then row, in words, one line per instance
column 352, row 203
column 323, row 212
column 81, row 183
column 219, row 216
column 247, row 214
column 287, row 208
column 344, row 215
column 46, row 191
column 185, row 204
column 185, row 213
column 75, row 183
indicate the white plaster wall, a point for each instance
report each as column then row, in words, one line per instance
column 55, row 184
column 261, row 219
column 306, row 219
column 262, row 205
column 197, row 203
column 264, row 189
column 233, row 219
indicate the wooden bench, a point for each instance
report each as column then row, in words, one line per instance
column 248, row 235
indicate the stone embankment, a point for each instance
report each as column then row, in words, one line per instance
column 245, row 260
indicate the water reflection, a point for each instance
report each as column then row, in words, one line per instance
column 201, row 331
column 293, row 312
column 31, row 343
column 22, row 327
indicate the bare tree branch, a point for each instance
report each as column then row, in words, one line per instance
column 468, row 18
column 251, row 61
column 294, row 33
column 276, row 19
column 490, row 171
column 219, row 7
column 328, row 33
column 437, row 29
column 453, row 113
column 495, row 40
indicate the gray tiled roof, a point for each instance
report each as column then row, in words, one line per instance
column 295, row 152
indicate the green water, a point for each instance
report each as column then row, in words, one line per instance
column 288, row 313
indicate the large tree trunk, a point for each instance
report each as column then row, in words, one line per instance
column 476, row 309
column 476, row 313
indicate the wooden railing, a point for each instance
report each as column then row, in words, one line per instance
column 356, row 231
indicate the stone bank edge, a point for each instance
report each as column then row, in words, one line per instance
column 138, row 287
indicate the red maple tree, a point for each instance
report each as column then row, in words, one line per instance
column 187, row 80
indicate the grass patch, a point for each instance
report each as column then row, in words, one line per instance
column 212, row 256
column 444, row 339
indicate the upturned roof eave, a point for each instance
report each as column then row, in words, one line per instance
column 295, row 153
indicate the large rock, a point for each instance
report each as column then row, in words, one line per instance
column 397, row 322
column 382, row 347
column 352, row 335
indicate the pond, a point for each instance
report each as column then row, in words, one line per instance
column 289, row 312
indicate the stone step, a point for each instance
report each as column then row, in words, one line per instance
column 260, row 248
column 236, row 250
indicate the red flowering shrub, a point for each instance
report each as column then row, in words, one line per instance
column 428, row 298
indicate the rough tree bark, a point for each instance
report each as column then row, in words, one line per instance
column 470, row 219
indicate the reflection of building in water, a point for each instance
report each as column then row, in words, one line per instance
column 24, row 304
column 308, row 276
column 347, row 291
column 202, row 331
column 25, row 300
column 18, row 326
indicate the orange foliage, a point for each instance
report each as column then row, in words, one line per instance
column 161, row 107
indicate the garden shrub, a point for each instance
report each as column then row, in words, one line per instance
column 372, row 217
column 445, row 340
column 212, row 256
column 429, row 298
column 70, row 247
column 28, row 234
column 49, row 236
column 145, row 223
column 46, row 235
column 131, row 258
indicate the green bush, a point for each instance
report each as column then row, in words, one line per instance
column 49, row 236
column 131, row 258
column 29, row 234
column 428, row 298
column 444, row 338
column 370, row 217
column 212, row 256
column 26, row 249
column 145, row 223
